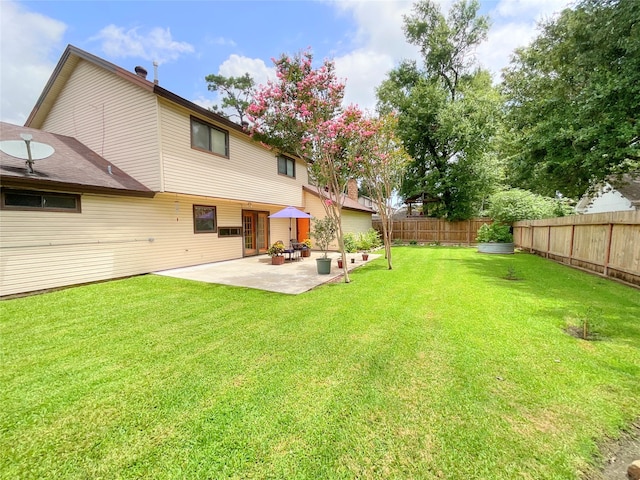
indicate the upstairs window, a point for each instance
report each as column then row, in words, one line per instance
column 209, row 138
column 286, row 166
column 34, row 200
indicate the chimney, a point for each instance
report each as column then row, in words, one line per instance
column 141, row 72
column 352, row 189
column 155, row 72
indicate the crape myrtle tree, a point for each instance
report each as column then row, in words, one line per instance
column 448, row 110
column 573, row 100
column 236, row 93
column 301, row 113
column 382, row 172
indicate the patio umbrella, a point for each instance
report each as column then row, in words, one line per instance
column 290, row 212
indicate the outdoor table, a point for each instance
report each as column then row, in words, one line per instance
column 294, row 251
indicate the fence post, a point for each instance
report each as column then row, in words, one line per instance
column 607, row 251
column 573, row 231
column 531, row 237
column 548, row 241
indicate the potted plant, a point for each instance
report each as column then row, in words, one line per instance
column 364, row 245
column 495, row 238
column 306, row 249
column 276, row 252
column 324, row 231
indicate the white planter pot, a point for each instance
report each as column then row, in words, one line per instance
column 501, row 248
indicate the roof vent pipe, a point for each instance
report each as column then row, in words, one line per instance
column 155, row 72
column 141, row 71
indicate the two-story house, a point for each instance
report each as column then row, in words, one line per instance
column 193, row 186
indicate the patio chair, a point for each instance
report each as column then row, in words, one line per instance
column 296, row 247
column 289, row 251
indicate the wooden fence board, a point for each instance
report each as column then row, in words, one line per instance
column 604, row 243
column 434, row 230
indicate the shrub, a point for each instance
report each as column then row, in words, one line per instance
column 496, row 232
column 350, row 242
column 369, row 239
column 362, row 241
column 509, row 206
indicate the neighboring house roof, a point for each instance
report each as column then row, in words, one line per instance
column 67, row 63
column 347, row 203
column 628, row 186
column 71, row 166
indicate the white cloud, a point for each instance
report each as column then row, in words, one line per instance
column 514, row 24
column 221, row 41
column 364, row 70
column 379, row 42
column 379, row 25
column 27, row 41
column 534, row 9
column 495, row 53
column 157, row 44
column 237, row 65
column 205, row 102
column 379, row 45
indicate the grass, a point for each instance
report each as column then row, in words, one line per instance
column 440, row 368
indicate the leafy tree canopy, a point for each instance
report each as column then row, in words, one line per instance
column 448, row 111
column 573, row 100
column 236, row 93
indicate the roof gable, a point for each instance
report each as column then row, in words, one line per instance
column 68, row 62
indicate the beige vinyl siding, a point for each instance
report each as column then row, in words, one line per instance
column 352, row 221
column 355, row 222
column 250, row 174
column 279, row 229
column 109, row 239
column 113, row 117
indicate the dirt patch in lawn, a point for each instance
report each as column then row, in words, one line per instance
column 618, row 455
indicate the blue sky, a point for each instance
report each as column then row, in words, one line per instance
column 191, row 39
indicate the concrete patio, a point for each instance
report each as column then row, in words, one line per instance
column 258, row 272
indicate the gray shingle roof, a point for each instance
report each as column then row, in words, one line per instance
column 73, row 166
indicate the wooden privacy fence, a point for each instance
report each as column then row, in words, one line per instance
column 434, row 230
column 605, row 243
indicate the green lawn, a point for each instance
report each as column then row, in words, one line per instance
column 440, row 368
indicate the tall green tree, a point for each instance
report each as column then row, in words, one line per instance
column 448, row 109
column 573, row 100
column 236, row 93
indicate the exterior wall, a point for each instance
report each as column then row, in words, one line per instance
column 352, row 221
column 111, row 238
column 113, row 117
column 250, row 174
column 356, row 222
